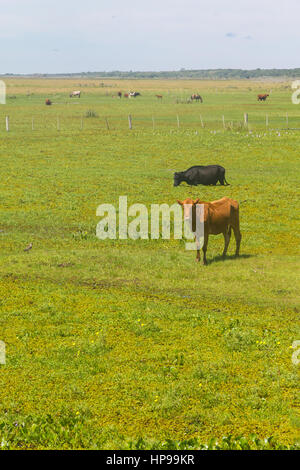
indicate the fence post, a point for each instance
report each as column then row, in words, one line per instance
column 7, row 123
column 2, row 353
column 246, row 119
column 267, row 120
column 107, row 125
column 223, row 119
column 58, row 127
column 153, row 123
column 201, row 121
column 178, row 122
column 130, row 121
column 287, row 120
column 81, row 124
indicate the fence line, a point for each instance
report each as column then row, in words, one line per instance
column 142, row 122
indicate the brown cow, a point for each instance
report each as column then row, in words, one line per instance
column 262, row 97
column 197, row 97
column 159, row 97
column 219, row 217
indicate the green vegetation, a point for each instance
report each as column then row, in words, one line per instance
column 91, row 114
column 131, row 344
column 209, row 74
column 71, row 431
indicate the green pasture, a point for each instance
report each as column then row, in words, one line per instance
column 26, row 102
column 130, row 343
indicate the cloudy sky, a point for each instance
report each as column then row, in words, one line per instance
column 95, row 35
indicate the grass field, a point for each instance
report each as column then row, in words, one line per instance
column 123, row 343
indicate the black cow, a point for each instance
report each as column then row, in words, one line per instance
column 207, row 175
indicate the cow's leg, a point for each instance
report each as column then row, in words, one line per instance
column 204, row 248
column 198, row 250
column 222, row 176
column 227, row 235
column 238, row 237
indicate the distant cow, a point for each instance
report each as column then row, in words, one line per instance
column 48, row 102
column 126, row 95
column 159, row 97
column 119, row 94
column 197, row 98
column 75, row 93
column 133, row 94
column 218, row 217
column 207, row 175
column 262, row 97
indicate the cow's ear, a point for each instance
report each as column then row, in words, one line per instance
column 197, row 200
column 180, row 202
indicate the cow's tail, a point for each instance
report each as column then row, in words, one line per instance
column 227, row 184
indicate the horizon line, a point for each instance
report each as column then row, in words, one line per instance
column 181, row 70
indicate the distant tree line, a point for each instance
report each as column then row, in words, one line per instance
column 209, row 74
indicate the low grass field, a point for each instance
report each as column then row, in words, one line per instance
column 121, row 344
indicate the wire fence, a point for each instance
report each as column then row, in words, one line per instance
column 60, row 123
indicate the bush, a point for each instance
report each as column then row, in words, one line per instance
column 91, row 114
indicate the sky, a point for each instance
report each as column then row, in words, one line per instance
column 64, row 36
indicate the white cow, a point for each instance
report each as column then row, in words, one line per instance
column 75, row 93
column 133, row 94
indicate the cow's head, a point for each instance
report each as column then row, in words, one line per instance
column 177, row 179
column 189, row 208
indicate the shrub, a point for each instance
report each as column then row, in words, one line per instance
column 91, row 114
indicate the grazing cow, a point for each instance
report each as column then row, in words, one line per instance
column 219, row 217
column 262, row 97
column 133, row 94
column 159, row 97
column 126, row 95
column 119, row 94
column 75, row 93
column 48, row 102
column 197, row 98
column 207, row 175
